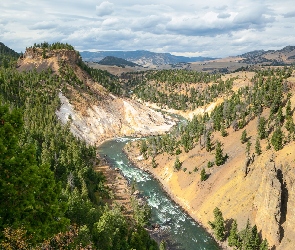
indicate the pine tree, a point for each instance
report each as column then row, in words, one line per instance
column 177, row 164
column 277, row 139
column 208, row 142
column 203, row 175
column 224, row 133
column 218, row 224
column 261, row 128
column 254, row 240
column 288, row 109
column 248, row 147
column 233, row 238
column 219, row 158
column 29, row 194
column 244, row 136
column 258, row 147
column 263, row 245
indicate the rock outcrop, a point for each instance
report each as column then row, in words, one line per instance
column 268, row 204
column 115, row 117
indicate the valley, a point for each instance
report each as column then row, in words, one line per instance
column 234, row 151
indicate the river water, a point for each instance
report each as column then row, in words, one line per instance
column 180, row 229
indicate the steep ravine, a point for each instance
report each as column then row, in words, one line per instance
column 262, row 192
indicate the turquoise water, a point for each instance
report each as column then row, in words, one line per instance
column 181, row 230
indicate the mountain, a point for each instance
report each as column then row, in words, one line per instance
column 4, row 50
column 283, row 56
column 53, row 111
column 141, row 57
column 7, row 55
column 115, row 61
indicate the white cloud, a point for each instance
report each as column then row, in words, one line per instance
column 208, row 28
column 105, row 8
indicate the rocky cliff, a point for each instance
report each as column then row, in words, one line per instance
column 268, row 203
column 114, row 118
column 94, row 114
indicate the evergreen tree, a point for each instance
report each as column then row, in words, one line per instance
column 254, row 241
column 203, row 175
column 27, row 191
column 224, row 133
column 208, row 142
column 219, row 158
column 277, row 139
column 258, row 147
column 233, row 239
column 261, row 128
column 248, row 147
column 111, row 231
column 218, row 224
column 263, row 245
column 244, row 136
column 288, row 109
column 177, row 164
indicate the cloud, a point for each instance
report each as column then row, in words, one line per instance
column 289, row 14
column 45, row 25
column 223, row 15
column 105, row 8
column 208, row 28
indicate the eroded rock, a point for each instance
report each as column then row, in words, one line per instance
column 268, row 204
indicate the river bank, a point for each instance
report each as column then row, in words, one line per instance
column 176, row 226
column 136, row 159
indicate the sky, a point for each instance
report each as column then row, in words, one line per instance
column 188, row 27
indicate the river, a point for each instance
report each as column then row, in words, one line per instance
column 181, row 230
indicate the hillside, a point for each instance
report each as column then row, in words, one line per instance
column 248, row 61
column 94, row 112
column 141, row 57
column 251, row 179
column 283, row 56
column 115, row 61
column 53, row 194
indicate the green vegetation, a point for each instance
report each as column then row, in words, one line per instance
column 219, row 157
column 258, row 150
column 203, row 175
column 177, row 164
column 247, row 238
column 53, row 46
column 51, row 198
column 8, row 56
column 218, row 224
column 268, row 91
column 244, row 136
column 162, row 87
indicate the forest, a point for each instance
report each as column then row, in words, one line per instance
column 51, row 198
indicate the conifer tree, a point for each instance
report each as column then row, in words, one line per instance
column 208, row 142
column 177, row 164
column 258, row 147
column 248, row 147
column 233, row 238
column 203, row 175
column 218, row 224
column 244, row 136
column 261, row 128
column 219, row 158
column 263, row 245
column 277, row 139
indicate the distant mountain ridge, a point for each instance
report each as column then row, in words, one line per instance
column 116, row 61
column 142, row 57
column 283, row 56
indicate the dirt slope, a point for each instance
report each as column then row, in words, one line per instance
column 95, row 114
